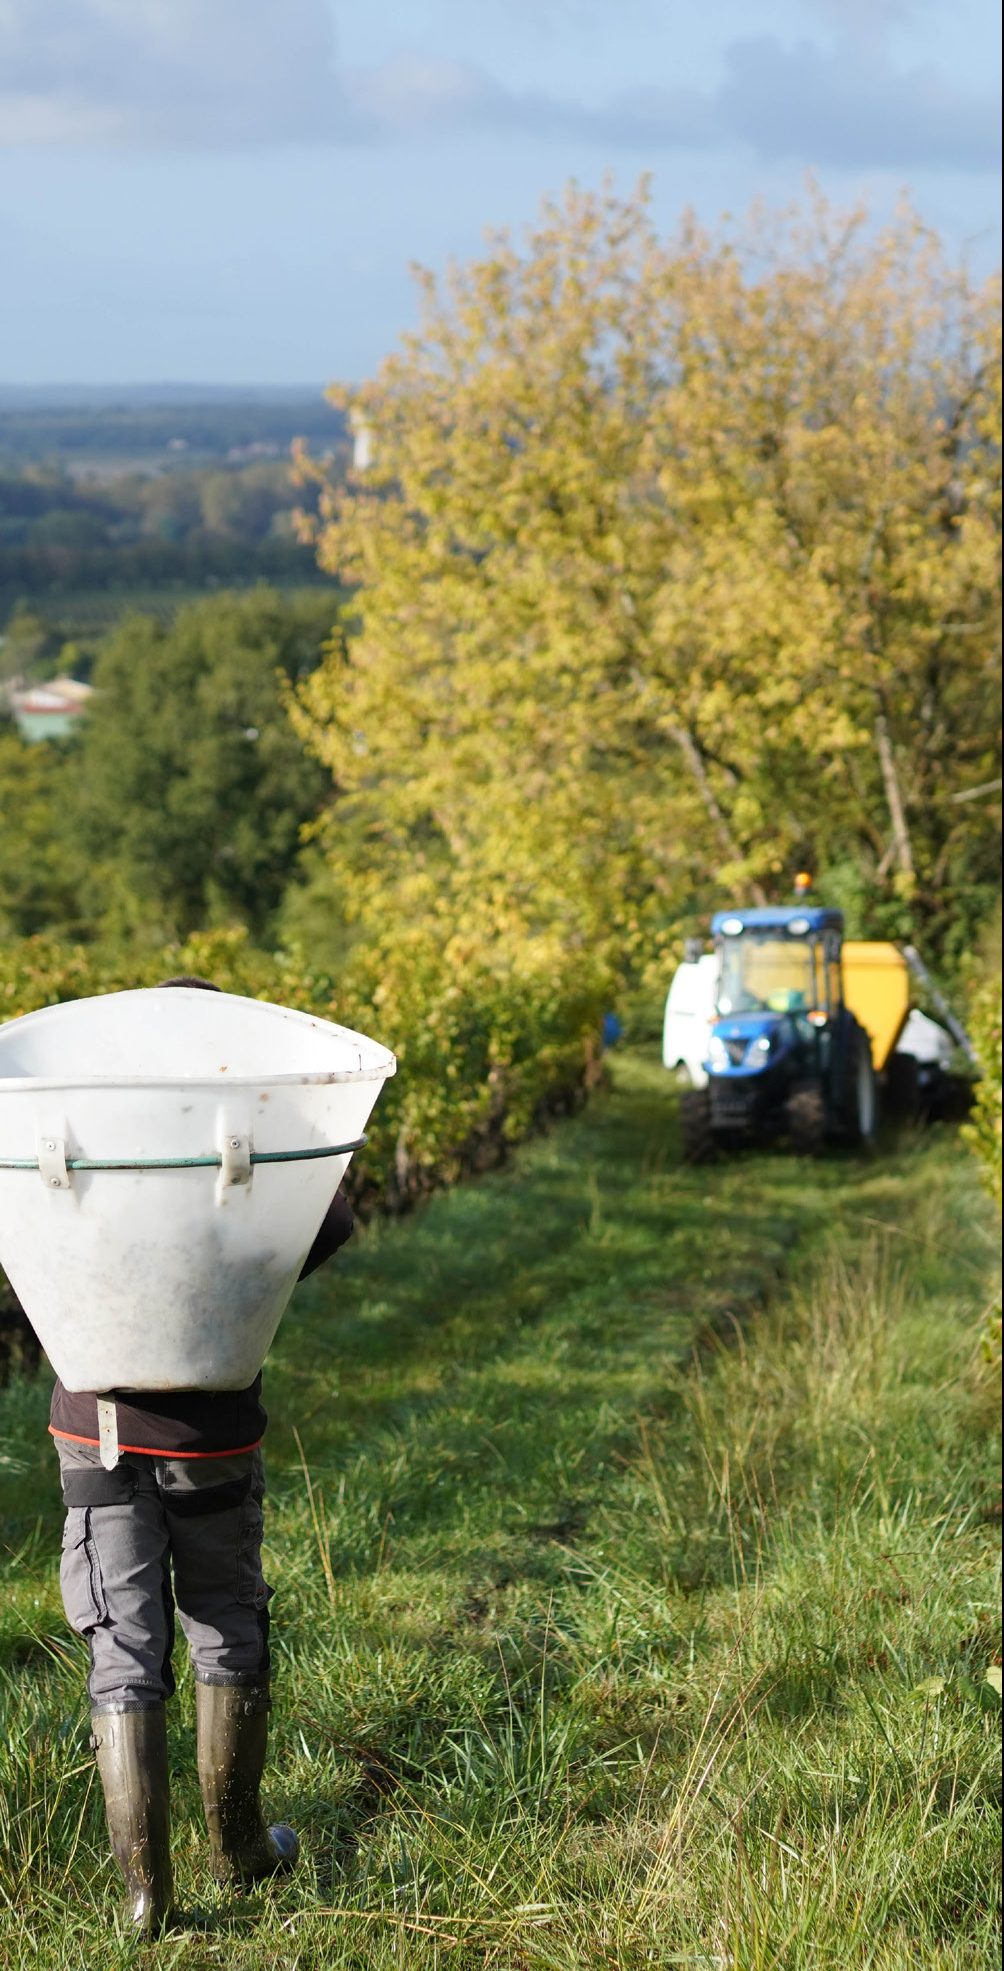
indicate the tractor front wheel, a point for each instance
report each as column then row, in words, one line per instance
column 805, row 1118
column 696, row 1133
column 862, row 1106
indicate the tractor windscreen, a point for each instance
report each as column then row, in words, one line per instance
column 769, row 975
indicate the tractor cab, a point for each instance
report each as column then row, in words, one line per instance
column 785, row 1056
column 773, row 964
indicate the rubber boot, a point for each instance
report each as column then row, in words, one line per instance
column 232, row 1731
column 130, row 1747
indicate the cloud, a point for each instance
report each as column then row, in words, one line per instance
column 414, row 96
column 225, row 73
column 809, row 105
column 145, row 73
column 829, row 108
column 864, row 17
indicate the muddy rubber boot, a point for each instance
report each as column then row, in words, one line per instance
column 130, row 1748
column 232, row 1728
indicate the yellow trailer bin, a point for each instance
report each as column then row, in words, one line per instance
column 877, row 990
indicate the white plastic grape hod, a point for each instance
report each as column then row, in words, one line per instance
column 166, row 1159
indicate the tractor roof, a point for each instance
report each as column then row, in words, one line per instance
column 777, row 917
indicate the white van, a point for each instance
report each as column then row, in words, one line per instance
column 690, row 1012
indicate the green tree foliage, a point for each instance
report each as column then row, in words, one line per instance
column 675, row 567
column 244, row 505
column 42, row 867
column 30, row 647
column 194, row 788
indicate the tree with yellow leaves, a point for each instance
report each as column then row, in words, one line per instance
column 673, row 565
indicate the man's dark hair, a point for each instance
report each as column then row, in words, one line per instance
column 204, row 985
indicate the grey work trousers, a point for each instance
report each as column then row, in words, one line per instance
column 154, row 1536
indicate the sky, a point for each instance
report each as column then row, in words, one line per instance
column 232, row 191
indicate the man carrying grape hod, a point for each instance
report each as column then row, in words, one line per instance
column 175, row 1525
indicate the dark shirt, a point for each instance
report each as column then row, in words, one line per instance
column 191, row 1423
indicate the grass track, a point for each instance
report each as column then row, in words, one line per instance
column 633, row 1531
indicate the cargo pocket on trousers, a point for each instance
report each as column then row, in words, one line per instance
column 80, row 1573
column 252, row 1588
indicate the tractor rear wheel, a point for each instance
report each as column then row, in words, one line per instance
column 902, row 1088
column 805, row 1118
column 696, row 1133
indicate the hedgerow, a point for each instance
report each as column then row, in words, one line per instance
column 487, row 1046
column 983, row 1130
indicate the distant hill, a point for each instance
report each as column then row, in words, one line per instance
column 108, row 396
column 142, row 496
column 159, row 423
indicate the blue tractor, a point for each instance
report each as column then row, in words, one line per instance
column 786, row 1058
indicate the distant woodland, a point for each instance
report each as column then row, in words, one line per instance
column 110, row 504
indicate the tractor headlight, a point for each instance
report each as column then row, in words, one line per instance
column 718, row 1053
column 762, row 1044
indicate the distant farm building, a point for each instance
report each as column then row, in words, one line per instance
column 49, row 710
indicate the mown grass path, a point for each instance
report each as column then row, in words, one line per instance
column 632, row 1528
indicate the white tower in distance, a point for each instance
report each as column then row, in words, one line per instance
column 362, row 442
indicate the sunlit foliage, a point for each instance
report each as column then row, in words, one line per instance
column 674, row 569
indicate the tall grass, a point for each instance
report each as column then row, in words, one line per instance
column 636, row 1537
